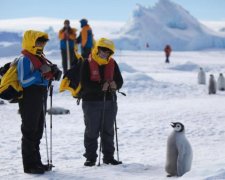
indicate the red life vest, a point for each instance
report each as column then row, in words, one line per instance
column 108, row 70
column 35, row 60
column 37, row 63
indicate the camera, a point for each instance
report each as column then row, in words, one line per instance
column 57, row 73
column 51, row 72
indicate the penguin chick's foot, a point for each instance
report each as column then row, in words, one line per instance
column 170, row 175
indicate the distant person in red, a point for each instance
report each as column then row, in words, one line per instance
column 167, row 51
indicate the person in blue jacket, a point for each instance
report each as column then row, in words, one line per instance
column 85, row 38
column 34, row 75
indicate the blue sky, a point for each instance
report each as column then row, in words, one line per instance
column 113, row 10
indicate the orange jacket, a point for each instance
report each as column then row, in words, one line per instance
column 72, row 34
column 86, row 37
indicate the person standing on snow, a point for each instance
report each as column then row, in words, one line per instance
column 100, row 78
column 85, row 38
column 34, row 74
column 67, row 36
column 167, row 51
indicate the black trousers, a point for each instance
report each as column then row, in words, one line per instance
column 93, row 114
column 167, row 59
column 85, row 52
column 73, row 59
column 32, row 109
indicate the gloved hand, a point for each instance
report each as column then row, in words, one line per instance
column 46, row 72
column 48, row 76
column 113, row 85
column 66, row 35
column 45, row 68
column 105, row 86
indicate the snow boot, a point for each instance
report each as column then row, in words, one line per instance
column 46, row 167
column 89, row 163
column 112, row 161
column 35, row 169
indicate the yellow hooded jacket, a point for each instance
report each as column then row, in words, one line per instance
column 10, row 88
column 106, row 43
column 67, row 81
column 70, row 80
column 29, row 40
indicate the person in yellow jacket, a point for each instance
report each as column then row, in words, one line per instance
column 100, row 78
column 67, row 36
column 85, row 38
column 34, row 74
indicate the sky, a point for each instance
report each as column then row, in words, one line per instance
column 113, row 10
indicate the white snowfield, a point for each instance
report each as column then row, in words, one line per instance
column 157, row 94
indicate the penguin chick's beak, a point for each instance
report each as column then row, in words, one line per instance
column 172, row 124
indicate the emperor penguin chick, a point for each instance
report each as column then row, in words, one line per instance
column 179, row 152
column 212, row 84
column 221, row 82
column 201, row 76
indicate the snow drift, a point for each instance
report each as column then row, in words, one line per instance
column 166, row 23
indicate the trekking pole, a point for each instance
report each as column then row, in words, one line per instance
column 102, row 126
column 68, row 53
column 50, row 94
column 45, row 126
column 117, row 144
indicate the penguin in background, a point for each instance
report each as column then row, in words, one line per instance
column 201, row 76
column 221, row 82
column 179, row 152
column 212, row 84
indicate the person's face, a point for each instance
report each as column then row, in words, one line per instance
column 40, row 44
column 104, row 54
column 39, row 47
column 66, row 24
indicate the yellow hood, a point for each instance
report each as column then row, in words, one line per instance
column 103, row 42
column 30, row 38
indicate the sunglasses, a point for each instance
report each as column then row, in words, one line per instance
column 104, row 50
column 104, row 54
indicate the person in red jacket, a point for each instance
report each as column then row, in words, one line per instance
column 167, row 51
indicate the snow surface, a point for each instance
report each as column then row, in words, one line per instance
column 157, row 94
